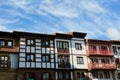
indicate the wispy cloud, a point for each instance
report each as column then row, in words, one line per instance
column 95, row 17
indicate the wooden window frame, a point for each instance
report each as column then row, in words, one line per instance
column 106, row 74
column 80, row 60
column 6, row 43
column 30, row 75
column 30, row 60
column 45, row 56
column 93, row 47
column 43, row 43
column 4, row 62
column 62, row 45
column 78, row 46
column 48, row 77
column 30, row 42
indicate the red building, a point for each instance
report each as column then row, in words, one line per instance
column 101, row 63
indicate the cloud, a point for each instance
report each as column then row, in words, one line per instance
column 93, row 17
column 113, row 34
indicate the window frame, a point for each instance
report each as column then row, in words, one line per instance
column 29, row 55
column 80, row 60
column 62, row 45
column 48, row 76
column 6, row 43
column 78, row 46
column 4, row 63
column 44, row 58
column 43, row 43
column 30, row 42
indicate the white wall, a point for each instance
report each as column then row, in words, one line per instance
column 14, row 60
column 80, row 66
column 74, row 51
column 79, row 53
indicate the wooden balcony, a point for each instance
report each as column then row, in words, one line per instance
column 95, row 52
column 9, row 49
column 63, row 50
column 64, row 65
column 109, row 66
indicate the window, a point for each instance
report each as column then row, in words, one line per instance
column 62, row 45
column 92, row 47
column 45, row 58
column 60, row 75
column 6, row 43
column 30, row 76
column 80, row 60
column 80, row 74
column 114, row 50
column 63, row 61
column 45, row 76
column 64, row 75
column 118, row 75
column 95, row 74
column 10, row 43
column 30, row 57
column 106, row 74
column 30, row 42
column 4, row 61
column 78, row 46
column 107, row 61
column 2, row 42
column 104, row 47
column 45, row 43
column 100, row 74
column 94, row 60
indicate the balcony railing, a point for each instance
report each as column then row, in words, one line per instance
column 63, row 50
column 64, row 65
column 7, row 49
column 100, row 52
column 101, row 66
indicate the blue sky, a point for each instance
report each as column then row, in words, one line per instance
column 100, row 19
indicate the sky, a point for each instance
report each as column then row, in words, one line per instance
column 100, row 19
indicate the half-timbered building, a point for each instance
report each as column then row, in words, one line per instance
column 36, row 56
column 9, row 49
column 63, row 57
column 79, row 57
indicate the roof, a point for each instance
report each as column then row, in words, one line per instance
column 77, row 34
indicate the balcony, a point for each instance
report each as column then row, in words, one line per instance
column 9, row 49
column 110, row 66
column 94, row 52
column 63, row 50
column 64, row 65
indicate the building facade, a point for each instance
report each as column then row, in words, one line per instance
column 9, row 50
column 116, row 51
column 36, row 56
column 79, row 57
column 101, row 63
column 59, row 56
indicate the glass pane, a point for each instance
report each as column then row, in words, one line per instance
column 28, row 49
column 28, row 42
column 32, row 49
column 6, row 58
column 2, row 43
column 9, row 43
